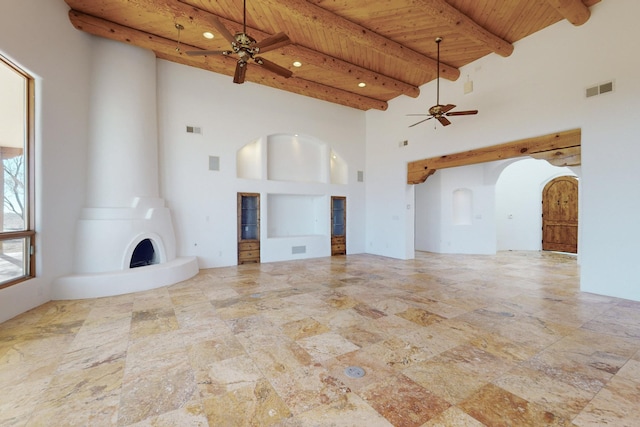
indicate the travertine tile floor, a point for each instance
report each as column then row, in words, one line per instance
column 448, row 340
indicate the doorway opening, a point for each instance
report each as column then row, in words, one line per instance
column 560, row 215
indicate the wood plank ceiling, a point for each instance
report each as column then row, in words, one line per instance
column 388, row 44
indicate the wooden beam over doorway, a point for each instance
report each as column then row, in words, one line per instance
column 559, row 149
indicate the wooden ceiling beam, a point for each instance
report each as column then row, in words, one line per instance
column 188, row 15
column 296, row 85
column 459, row 22
column 166, row 49
column 304, row 11
column 561, row 147
column 307, row 55
column 573, row 11
column 569, row 156
column 358, row 74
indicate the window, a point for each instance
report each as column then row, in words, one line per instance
column 16, row 147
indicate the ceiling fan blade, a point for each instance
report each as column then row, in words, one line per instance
column 418, row 114
column 273, row 67
column 462, row 113
column 215, row 22
column 208, row 52
column 273, row 42
column 443, row 121
column 241, row 70
column 447, row 107
column 421, row 121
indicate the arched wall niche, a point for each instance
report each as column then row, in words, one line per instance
column 293, row 158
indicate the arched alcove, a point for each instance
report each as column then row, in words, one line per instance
column 293, row 158
column 296, row 158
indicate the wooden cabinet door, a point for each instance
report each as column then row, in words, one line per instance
column 248, row 227
column 338, row 225
column 560, row 215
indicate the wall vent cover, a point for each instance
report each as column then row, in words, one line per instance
column 592, row 91
column 606, row 87
column 298, row 249
column 599, row 89
column 360, row 176
column 214, row 163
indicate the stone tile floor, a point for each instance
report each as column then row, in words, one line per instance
column 448, row 340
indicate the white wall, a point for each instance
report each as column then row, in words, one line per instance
column 479, row 236
column 37, row 36
column 428, row 215
column 538, row 90
column 436, row 202
column 203, row 202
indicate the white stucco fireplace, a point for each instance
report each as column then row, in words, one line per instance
column 125, row 240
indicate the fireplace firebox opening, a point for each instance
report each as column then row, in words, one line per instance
column 144, row 254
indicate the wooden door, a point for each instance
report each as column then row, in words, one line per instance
column 560, row 215
column 338, row 225
column 248, row 228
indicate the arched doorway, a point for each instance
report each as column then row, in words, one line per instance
column 560, row 215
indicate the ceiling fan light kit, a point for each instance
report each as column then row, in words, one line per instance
column 439, row 111
column 246, row 47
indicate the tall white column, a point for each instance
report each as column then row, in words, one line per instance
column 123, row 150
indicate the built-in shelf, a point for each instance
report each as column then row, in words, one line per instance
column 294, row 215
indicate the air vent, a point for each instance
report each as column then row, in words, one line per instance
column 606, row 87
column 214, row 163
column 194, row 129
column 298, row 249
column 592, row 91
column 599, row 89
column 360, row 176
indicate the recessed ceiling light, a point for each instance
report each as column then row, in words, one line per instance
column 362, row 84
column 207, row 35
column 297, row 64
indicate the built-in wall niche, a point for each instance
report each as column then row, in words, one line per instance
column 290, row 215
column 249, row 160
column 294, row 158
column 462, row 206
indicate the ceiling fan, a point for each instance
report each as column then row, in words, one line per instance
column 439, row 111
column 247, row 48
